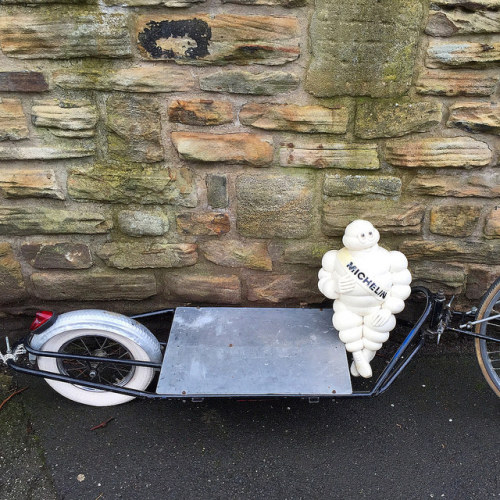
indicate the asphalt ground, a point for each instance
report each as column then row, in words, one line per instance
column 434, row 434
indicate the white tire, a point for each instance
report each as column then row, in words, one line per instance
column 100, row 333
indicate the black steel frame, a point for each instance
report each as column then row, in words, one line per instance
column 401, row 358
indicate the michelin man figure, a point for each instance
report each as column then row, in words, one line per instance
column 369, row 285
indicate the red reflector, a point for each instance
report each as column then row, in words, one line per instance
column 41, row 318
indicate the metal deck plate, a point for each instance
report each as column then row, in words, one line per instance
column 221, row 351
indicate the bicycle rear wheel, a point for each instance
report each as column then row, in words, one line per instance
column 488, row 352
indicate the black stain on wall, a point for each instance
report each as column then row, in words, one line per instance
column 195, row 29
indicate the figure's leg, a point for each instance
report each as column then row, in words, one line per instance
column 350, row 328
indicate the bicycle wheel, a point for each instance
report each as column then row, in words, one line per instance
column 488, row 352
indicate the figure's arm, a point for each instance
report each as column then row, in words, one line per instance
column 401, row 279
column 327, row 276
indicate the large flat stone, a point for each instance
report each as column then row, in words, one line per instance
column 274, row 206
column 234, row 253
column 133, row 183
column 363, row 48
column 395, row 118
column 137, row 223
column 281, row 3
column 452, row 250
column 380, row 186
column 244, row 82
column 100, row 285
column 40, row 220
column 201, row 289
column 448, row 277
column 11, row 278
column 159, row 3
column 23, row 81
column 65, row 118
column 45, row 152
column 239, row 148
column 203, row 223
column 58, row 32
column 13, row 123
column 462, row 53
column 481, row 185
column 475, row 116
column 492, row 226
column 279, row 288
column 457, row 82
column 134, row 79
column 24, row 182
column 201, row 39
column 454, row 220
column 439, row 152
column 134, row 126
column 307, row 119
column 144, row 254
column 392, row 217
column 331, row 155
column 203, row 112
column 63, row 255
column 444, row 23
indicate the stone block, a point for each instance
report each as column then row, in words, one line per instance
column 395, row 118
column 462, row 53
column 64, row 255
column 438, row 152
column 11, row 278
column 233, row 253
column 217, row 195
column 244, row 82
column 469, row 4
column 456, row 82
column 448, row 277
column 475, row 116
column 101, row 285
column 452, row 250
column 144, row 254
column 23, row 81
column 202, row 39
column 60, row 32
column 153, row 3
column 45, row 152
column 137, row 223
column 203, row 223
column 306, row 253
column 482, row 185
column 444, row 23
column 340, row 155
column 200, row 289
column 280, row 3
column 479, row 278
column 363, row 48
column 201, row 112
column 134, row 126
column 275, row 206
column 13, row 123
column 492, row 227
column 65, row 118
column 284, row 288
column 392, row 217
column 20, row 221
column 242, row 148
column 133, row 183
column 134, row 79
column 362, row 185
column 26, row 182
column 307, row 119
column 454, row 220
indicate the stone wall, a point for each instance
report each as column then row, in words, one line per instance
column 163, row 152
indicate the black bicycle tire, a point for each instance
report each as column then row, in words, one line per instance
column 489, row 298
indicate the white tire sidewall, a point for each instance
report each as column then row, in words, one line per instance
column 140, row 380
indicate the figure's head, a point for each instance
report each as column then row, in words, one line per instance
column 359, row 235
